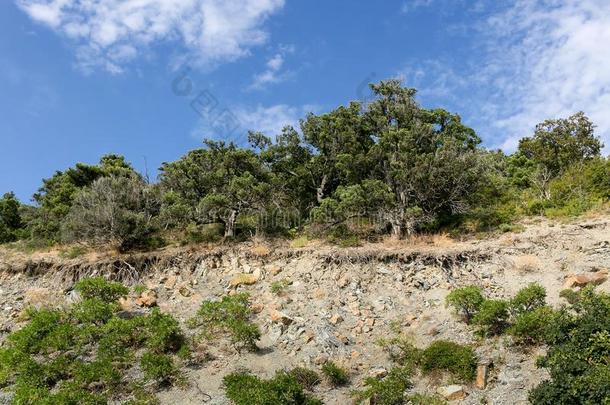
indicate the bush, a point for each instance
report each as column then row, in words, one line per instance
column 492, row 317
column 532, row 327
column 115, row 210
column 230, row 315
column 578, row 353
column 87, row 354
column 306, row 377
column 98, row 287
column 335, row 375
column 387, row 391
column 456, row 359
column 279, row 287
column 402, row 351
column 466, row 300
column 528, row 299
column 158, row 367
column 243, row 388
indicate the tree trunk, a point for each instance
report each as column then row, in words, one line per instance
column 320, row 190
column 230, row 224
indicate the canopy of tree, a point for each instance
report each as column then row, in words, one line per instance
column 388, row 167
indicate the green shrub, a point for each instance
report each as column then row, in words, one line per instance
column 87, row 354
column 466, row 301
column 387, row 391
column 334, row 374
column 229, row 315
column 98, row 287
column 492, row 317
column 532, row 327
column 158, row 367
column 306, row 377
column 570, row 295
column 401, row 351
column 279, row 287
column 243, row 388
column 456, row 359
column 528, row 299
column 578, row 353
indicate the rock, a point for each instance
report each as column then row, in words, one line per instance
column 452, row 392
column 584, row 279
column 147, row 299
column 336, row 319
column 185, row 291
column 243, row 279
column 126, row 304
column 170, row 282
column 275, row 270
column 257, row 307
column 280, row 317
column 378, row 373
column 482, row 373
column 321, row 359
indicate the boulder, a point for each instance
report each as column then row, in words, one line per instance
column 452, row 392
column 585, row 279
column 280, row 317
column 243, row 279
column 147, row 299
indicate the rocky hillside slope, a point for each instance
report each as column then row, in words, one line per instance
column 318, row 302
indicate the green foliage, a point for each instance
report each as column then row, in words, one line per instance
column 492, row 317
column 115, row 210
column 466, row 300
column 335, row 375
column 456, row 359
column 528, row 299
column 88, row 354
column 306, row 377
column 531, row 327
column 158, row 367
column 11, row 223
column 231, row 315
column 578, row 353
column 243, row 388
column 100, row 288
column 387, row 391
column 279, row 287
column 557, row 144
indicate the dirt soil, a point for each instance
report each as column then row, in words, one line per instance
column 339, row 302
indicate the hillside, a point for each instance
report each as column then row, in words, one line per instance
column 319, row 302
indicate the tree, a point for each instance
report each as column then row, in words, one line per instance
column 428, row 158
column 218, row 183
column 10, row 218
column 55, row 197
column 119, row 210
column 559, row 143
column 341, row 143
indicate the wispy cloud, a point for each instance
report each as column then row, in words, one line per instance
column 273, row 72
column 267, row 119
column 535, row 59
column 549, row 58
column 111, row 33
column 410, row 5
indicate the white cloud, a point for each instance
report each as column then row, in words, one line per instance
column 110, row 33
column 549, row 58
column 273, row 72
column 534, row 59
column 233, row 124
column 410, row 5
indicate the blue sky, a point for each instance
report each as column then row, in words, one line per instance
column 150, row 79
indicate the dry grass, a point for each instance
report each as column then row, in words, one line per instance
column 260, row 250
column 526, row 263
column 440, row 240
